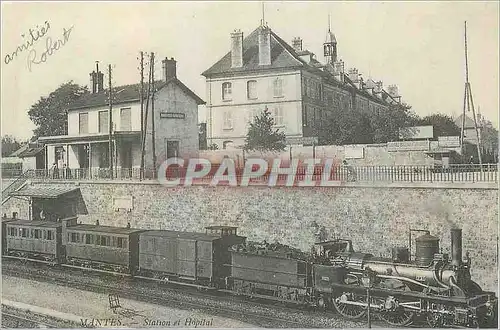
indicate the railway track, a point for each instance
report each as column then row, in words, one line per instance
column 253, row 311
column 17, row 318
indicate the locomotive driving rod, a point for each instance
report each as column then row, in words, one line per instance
column 406, row 305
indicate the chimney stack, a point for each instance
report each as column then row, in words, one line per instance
column 169, row 67
column 392, row 90
column 96, row 80
column 297, row 44
column 339, row 70
column 264, row 46
column 456, row 247
column 93, row 82
column 378, row 87
column 354, row 75
column 237, row 49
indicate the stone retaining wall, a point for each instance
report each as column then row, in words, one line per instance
column 374, row 218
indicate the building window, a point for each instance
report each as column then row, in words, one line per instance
column 125, row 119
column 84, row 122
column 226, row 91
column 228, row 120
column 278, row 87
column 252, row 89
column 226, row 144
column 278, row 115
column 103, row 121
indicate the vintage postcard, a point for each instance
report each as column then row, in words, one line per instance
column 249, row 164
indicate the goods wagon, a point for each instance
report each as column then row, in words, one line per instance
column 264, row 275
column 186, row 256
column 39, row 240
column 103, row 247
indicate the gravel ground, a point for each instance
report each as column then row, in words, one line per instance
column 240, row 313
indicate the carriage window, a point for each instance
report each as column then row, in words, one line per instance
column 37, row 233
column 31, row 233
column 50, row 236
column 75, row 238
column 44, row 234
column 24, row 232
column 121, row 242
column 89, row 239
column 103, row 240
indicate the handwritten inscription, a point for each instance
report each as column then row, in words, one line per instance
column 33, row 36
column 50, row 48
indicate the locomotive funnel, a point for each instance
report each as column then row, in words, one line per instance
column 456, row 247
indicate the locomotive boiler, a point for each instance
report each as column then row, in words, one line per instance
column 432, row 284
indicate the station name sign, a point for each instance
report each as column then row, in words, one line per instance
column 172, row 115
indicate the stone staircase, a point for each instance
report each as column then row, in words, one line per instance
column 16, row 185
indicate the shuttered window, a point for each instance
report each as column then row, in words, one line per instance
column 103, row 121
column 125, row 119
column 84, row 122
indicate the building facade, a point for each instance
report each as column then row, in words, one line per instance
column 263, row 71
column 87, row 144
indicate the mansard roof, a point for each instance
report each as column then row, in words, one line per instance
column 127, row 94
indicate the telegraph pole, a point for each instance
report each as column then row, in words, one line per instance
column 153, row 111
column 110, row 124
column 469, row 104
column 141, row 174
column 146, row 116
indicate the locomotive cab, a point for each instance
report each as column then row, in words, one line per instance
column 331, row 248
column 221, row 231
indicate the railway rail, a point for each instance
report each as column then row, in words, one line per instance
column 253, row 311
column 16, row 318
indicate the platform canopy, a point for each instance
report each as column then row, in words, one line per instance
column 44, row 191
column 56, row 201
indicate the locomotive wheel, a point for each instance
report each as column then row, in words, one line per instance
column 352, row 312
column 434, row 320
column 398, row 317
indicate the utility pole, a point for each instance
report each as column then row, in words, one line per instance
column 153, row 112
column 469, row 104
column 110, row 124
column 143, row 149
column 141, row 174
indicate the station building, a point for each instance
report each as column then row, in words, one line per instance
column 87, row 144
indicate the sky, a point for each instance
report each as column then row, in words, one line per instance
column 418, row 46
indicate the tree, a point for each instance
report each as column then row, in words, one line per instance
column 347, row 128
column 489, row 141
column 387, row 123
column 49, row 113
column 262, row 137
column 443, row 125
column 9, row 145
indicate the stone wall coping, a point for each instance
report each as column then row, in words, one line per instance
column 335, row 184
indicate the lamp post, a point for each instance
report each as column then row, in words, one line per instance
column 368, row 280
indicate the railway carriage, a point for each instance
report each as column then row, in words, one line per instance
column 39, row 240
column 195, row 258
column 107, row 248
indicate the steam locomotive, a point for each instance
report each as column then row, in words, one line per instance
column 333, row 276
